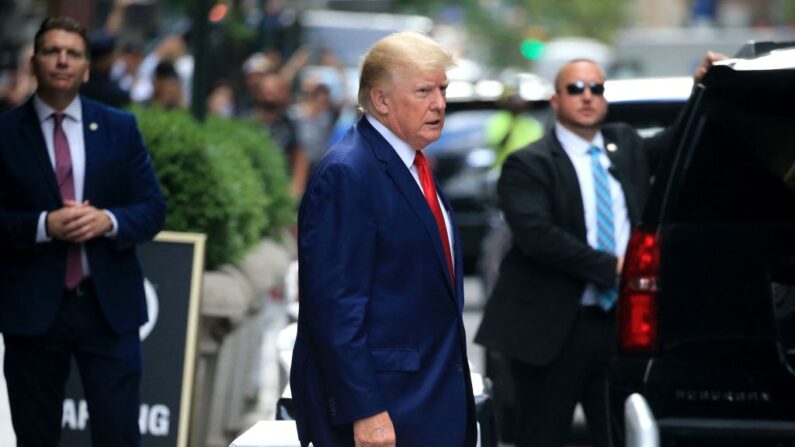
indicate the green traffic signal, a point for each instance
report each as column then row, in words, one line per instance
column 531, row 49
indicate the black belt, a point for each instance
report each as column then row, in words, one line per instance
column 83, row 287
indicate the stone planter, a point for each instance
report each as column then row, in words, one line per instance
column 239, row 305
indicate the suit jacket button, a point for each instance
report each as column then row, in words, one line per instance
column 459, row 367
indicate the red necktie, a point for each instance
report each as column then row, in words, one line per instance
column 66, row 183
column 429, row 190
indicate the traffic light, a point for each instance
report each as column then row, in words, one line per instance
column 531, row 48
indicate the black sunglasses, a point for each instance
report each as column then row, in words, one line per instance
column 578, row 88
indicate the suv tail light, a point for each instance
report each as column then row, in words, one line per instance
column 637, row 306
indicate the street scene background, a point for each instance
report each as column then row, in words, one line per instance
column 194, row 70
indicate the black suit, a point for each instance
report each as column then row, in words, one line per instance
column 534, row 316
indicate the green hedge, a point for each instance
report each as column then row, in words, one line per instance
column 224, row 178
column 268, row 163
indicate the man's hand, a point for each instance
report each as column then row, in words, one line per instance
column 619, row 265
column 374, row 431
column 172, row 48
column 707, row 62
column 57, row 220
column 77, row 222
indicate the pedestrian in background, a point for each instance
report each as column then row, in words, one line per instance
column 101, row 86
column 569, row 199
column 254, row 70
column 380, row 357
column 126, row 70
column 166, row 87
column 77, row 193
column 17, row 83
column 512, row 128
column 314, row 118
column 271, row 110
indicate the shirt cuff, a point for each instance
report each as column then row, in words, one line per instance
column 41, row 230
column 114, row 231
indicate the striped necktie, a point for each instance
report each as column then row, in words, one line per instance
column 605, row 230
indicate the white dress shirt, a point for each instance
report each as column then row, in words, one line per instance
column 577, row 150
column 72, row 126
column 407, row 154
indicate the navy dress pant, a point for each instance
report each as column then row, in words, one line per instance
column 109, row 364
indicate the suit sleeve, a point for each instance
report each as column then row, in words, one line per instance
column 17, row 226
column 526, row 194
column 143, row 215
column 337, row 238
column 17, row 229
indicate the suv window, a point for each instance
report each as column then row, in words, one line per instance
column 744, row 168
column 725, row 205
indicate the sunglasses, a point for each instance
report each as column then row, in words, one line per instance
column 578, row 88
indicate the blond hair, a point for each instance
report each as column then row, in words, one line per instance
column 405, row 52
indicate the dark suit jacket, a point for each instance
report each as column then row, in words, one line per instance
column 380, row 324
column 118, row 177
column 543, row 276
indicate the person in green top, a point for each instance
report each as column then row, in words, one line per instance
column 511, row 128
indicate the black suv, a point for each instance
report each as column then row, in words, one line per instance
column 706, row 314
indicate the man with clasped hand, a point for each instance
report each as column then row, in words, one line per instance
column 380, row 358
column 77, row 193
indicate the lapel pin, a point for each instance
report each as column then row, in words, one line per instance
column 611, row 147
column 93, row 126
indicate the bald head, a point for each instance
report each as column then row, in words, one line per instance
column 570, row 65
column 579, row 101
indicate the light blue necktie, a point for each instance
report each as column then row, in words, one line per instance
column 605, row 231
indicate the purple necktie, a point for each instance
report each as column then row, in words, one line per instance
column 66, row 183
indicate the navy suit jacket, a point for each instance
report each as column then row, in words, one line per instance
column 118, row 177
column 380, row 324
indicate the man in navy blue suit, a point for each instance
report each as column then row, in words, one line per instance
column 380, row 357
column 77, row 193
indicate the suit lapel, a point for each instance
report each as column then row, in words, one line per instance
column 570, row 191
column 31, row 131
column 457, row 253
column 91, row 146
column 408, row 188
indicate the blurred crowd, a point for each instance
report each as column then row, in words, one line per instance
column 296, row 102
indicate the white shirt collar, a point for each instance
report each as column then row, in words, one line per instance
column 404, row 151
column 73, row 111
column 574, row 144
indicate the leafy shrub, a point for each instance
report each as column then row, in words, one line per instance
column 268, row 163
column 211, row 182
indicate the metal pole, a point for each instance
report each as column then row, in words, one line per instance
column 200, row 31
